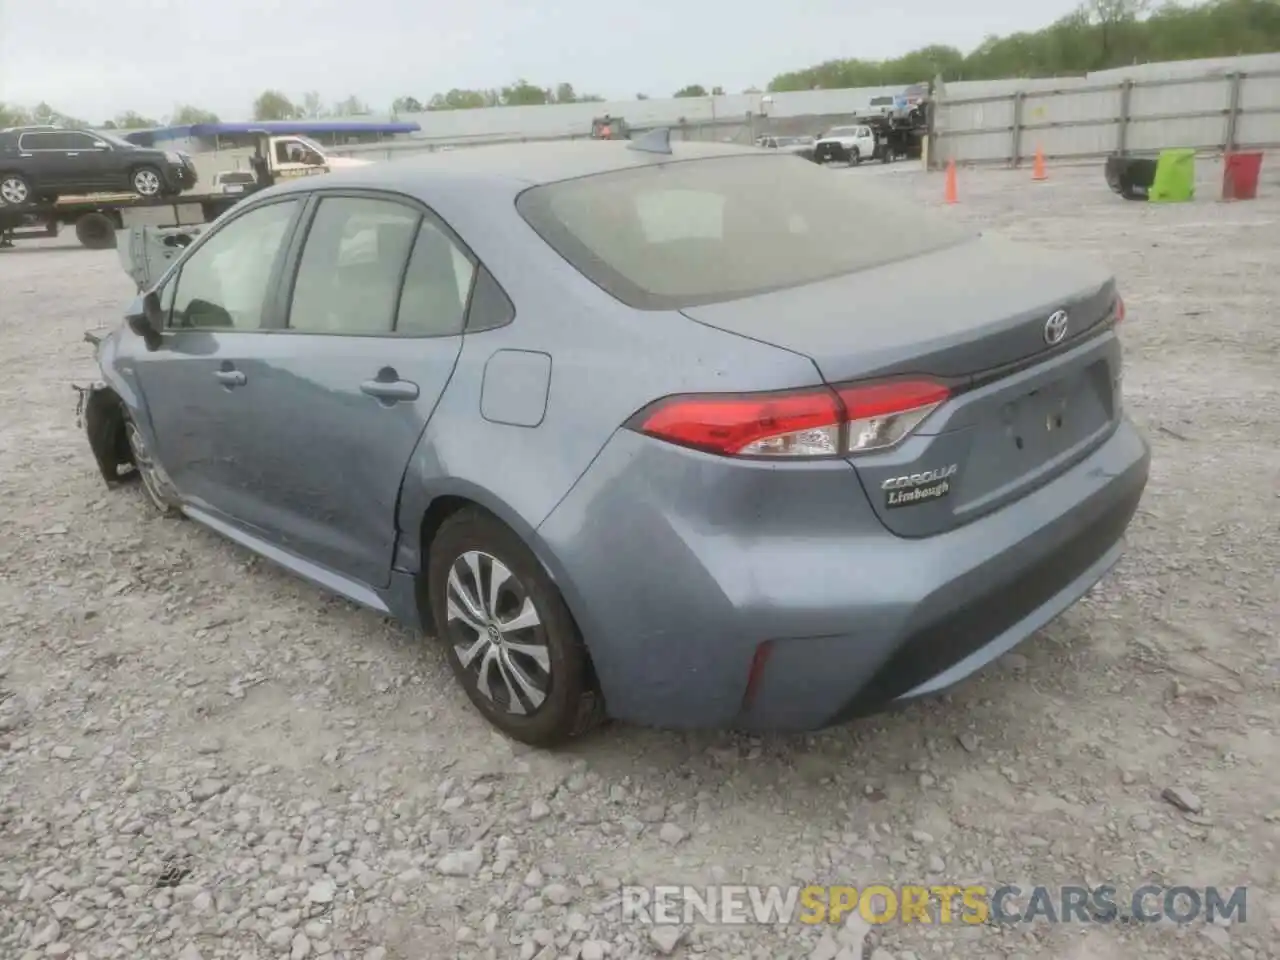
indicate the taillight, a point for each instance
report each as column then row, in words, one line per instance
column 815, row 422
column 1118, row 310
column 883, row 414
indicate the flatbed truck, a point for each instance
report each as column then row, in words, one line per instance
column 96, row 219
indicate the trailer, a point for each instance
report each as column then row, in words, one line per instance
column 96, row 219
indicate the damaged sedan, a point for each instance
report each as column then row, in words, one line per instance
column 638, row 429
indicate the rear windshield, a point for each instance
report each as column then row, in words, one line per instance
column 680, row 234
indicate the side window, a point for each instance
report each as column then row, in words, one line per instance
column 437, row 286
column 81, row 141
column 490, row 306
column 349, row 276
column 223, row 284
column 38, row 141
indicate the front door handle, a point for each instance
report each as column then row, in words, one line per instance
column 230, row 378
column 392, row 391
column 73, row 154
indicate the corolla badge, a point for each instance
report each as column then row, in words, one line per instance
column 1055, row 328
column 913, row 488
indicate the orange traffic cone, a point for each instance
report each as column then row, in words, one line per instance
column 950, row 195
column 1038, row 171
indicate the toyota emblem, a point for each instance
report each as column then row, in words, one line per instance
column 1055, row 328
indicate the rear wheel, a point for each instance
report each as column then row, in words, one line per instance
column 147, row 182
column 15, row 191
column 508, row 636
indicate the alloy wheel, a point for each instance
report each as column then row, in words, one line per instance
column 497, row 634
column 147, row 471
column 14, row 190
column 146, row 182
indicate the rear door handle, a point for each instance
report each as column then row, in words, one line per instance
column 73, row 154
column 390, row 390
column 230, row 378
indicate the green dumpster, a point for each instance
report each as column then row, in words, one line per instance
column 1175, row 179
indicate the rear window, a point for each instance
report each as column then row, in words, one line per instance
column 686, row 233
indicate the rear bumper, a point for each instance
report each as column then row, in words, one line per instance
column 679, row 566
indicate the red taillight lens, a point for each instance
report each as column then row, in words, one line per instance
column 801, row 423
column 1118, row 310
column 818, row 422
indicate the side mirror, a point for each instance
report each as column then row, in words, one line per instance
column 146, row 319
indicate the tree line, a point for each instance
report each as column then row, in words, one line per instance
column 12, row 115
column 1098, row 35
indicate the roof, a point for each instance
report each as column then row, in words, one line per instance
column 278, row 127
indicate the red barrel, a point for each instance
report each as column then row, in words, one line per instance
column 1240, row 176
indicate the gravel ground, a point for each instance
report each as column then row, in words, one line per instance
column 201, row 757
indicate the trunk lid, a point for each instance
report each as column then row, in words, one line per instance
column 974, row 316
column 954, row 312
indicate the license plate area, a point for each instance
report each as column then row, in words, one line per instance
column 1021, row 435
column 1041, row 423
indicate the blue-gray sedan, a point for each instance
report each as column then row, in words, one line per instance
column 687, row 435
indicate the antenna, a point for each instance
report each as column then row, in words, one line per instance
column 653, row 141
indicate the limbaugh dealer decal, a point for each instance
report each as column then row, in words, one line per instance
column 918, row 487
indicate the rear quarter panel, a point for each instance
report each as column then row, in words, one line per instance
column 607, row 361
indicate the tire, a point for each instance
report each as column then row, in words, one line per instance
column 552, row 658
column 15, row 190
column 155, row 485
column 146, row 182
column 96, row 231
column 855, row 156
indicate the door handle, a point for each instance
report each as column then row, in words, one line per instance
column 392, row 391
column 74, row 154
column 230, row 378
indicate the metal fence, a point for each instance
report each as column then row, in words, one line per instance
column 740, row 131
column 1212, row 112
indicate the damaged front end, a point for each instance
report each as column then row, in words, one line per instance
column 101, row 414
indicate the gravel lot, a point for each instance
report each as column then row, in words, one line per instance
column 201, row 757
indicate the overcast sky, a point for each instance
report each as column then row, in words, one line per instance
column 96, row 58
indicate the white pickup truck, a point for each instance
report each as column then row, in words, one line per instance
column 287, row 157
column 851, row 144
